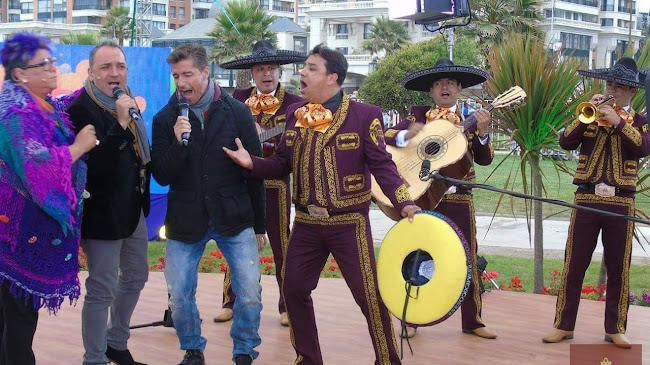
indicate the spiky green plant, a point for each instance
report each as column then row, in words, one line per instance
column 550, row 82
column 251, row 24
column 90, row 38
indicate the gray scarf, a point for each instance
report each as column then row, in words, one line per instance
column 203, row 104
column 108, row 104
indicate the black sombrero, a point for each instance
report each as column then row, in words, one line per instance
column 624, row 72
column 264, row 52
column 444, row 68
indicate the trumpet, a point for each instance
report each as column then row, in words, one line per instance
column 587, row 112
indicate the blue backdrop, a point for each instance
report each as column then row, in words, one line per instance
column 149, row 78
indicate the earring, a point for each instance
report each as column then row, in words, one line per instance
column 24, row 81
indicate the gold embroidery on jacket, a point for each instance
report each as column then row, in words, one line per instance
column 377, row 132
column 390, row 133
column 348, row 141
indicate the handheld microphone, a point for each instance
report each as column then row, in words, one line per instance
column 117, row 92
column 184, row 111
column 425, row 170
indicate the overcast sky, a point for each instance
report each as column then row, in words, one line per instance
column 400, row 8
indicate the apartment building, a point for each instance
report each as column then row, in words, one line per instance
column 344, row 25
column 599, row 31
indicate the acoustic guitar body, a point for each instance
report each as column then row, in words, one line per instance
column 441, row 142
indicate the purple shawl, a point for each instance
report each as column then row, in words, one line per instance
column 40, row 199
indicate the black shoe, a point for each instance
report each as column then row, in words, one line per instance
column 193, row 357
column 121, row 357
column 243, row 360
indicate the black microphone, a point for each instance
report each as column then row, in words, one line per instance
column 425, row 170
column 117, row 92
column 184, row 111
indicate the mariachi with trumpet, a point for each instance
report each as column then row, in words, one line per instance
column 596, row 110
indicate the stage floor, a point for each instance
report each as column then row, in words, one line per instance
column 519, row 319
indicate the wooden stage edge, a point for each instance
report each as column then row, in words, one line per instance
column 519, row 319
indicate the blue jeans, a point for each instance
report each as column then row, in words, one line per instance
column 181, row 272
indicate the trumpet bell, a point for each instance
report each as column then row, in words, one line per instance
column 586, row 112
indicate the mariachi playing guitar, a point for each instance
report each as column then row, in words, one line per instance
column 444, row 145
column 268, row 138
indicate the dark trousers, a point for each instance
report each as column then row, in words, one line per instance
column 278, row 213
column 617, row 252
column 348, row 238
column 460, row 209
column 18, row 319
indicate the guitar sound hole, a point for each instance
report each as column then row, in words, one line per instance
column 432, row 148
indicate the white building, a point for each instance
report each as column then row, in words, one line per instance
column 598, row 31
column 344, row 25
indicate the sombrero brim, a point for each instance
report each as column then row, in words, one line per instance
column 422, row 80
column 281, row 57
column 605, row 74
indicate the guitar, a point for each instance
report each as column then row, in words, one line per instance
column 267, row 137
column 444, row 144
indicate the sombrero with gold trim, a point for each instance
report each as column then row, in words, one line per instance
column 427, row 261
column 264, row 52
column 444, row 69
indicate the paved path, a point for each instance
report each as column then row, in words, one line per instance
column 509, row 236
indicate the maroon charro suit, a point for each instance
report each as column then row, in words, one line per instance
column 278, row 196
column 459, row 207
column 611, row 156
column 332, row 170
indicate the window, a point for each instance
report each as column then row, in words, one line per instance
column 341, row 29
column 264, row 4
column 89, row 4
column 181, row 13
column 27, row 8
column 343, row 50
column 14, row 18
column 160, row 25
column 577, row 45
column 14, row 5
column 60, row 5
column 607, row 5
column 201, row 13
column 172, row 12
column 158, row 9
column 172, row 26
column 86, row 19
column 44, row 6
column 607, row 22
column 300, row 45
column 367, row 29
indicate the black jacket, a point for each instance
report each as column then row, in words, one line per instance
column 205, row 185
column 113, row 210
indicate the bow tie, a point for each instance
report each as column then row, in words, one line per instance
column 264, row 103
column 442, row 113
column 313, row 116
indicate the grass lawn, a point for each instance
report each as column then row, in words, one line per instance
column 558, row 186
column 507, row 267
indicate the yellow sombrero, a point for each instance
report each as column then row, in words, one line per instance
column 429, row 260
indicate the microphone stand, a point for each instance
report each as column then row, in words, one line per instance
column 436, row 175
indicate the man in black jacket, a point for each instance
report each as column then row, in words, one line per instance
column 113, row 230
column 209, row 198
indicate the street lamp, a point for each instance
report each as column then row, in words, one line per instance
column 372, row 65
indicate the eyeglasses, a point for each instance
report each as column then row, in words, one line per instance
column 47, row 64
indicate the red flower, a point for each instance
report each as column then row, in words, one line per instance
column 223, row 267
column 266, row 259
column 216, row 253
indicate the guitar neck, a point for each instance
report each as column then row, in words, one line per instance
column 470, row 121
column 270, row 133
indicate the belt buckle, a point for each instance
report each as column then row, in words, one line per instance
column 604, row 190
column 317, row 212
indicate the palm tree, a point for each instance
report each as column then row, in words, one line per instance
column 118, row 24
column 250, row 23
column 91, row 38
column 386, row 35
column 550, row 82
column 492, row 20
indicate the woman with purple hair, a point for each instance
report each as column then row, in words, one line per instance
column 41, row 183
